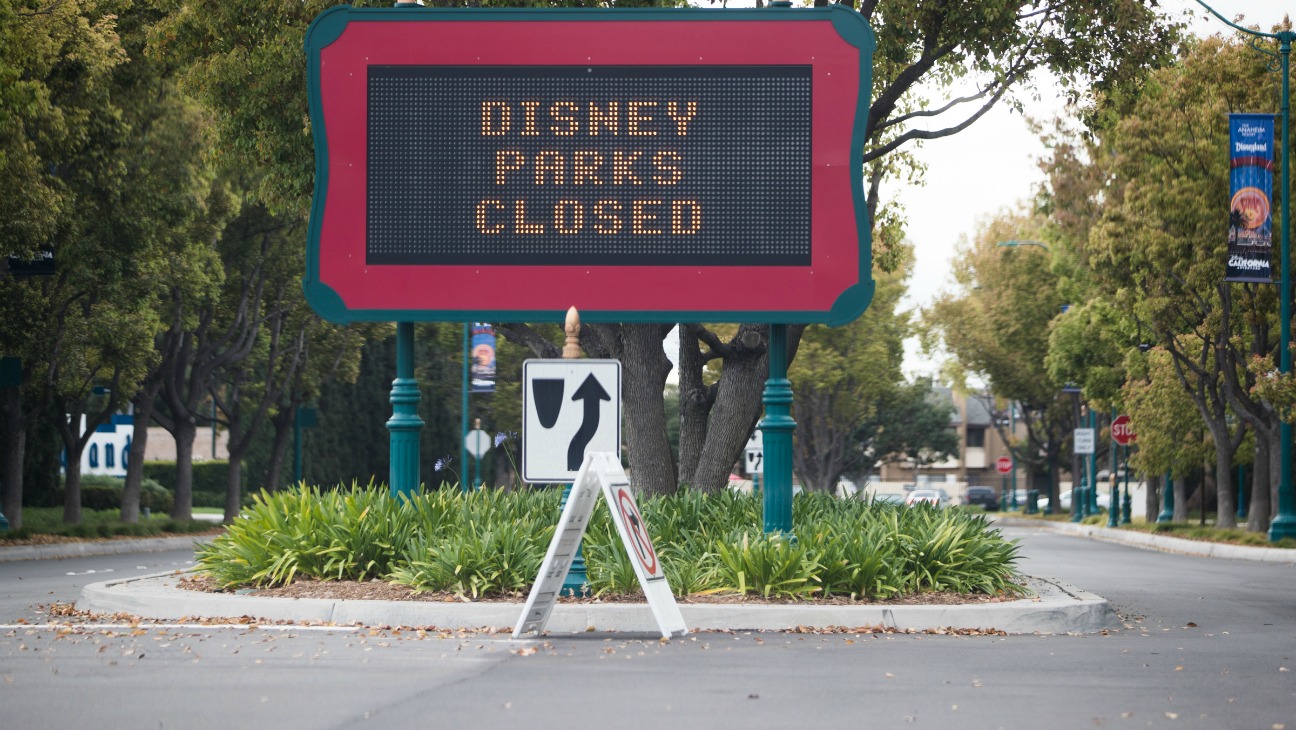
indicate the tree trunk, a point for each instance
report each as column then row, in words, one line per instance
column 15, row 446
column 1180, row 499
column 1152, row 497
column 283, row 424
column 234, row 488
column 1225, row 502
column 185, row 430
column 737, row 409
column 1266, row 466
column 645, row 367
column 72, row 488
column 145, row 402
column 695, row 402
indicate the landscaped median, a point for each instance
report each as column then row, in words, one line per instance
column 490, row 543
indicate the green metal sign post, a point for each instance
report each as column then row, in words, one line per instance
column 777, row 427
column 405, row 423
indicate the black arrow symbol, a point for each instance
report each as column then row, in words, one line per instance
column 591, row 392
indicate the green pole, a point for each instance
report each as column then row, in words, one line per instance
column 1113, row 507
column 405, row 423
column 1167, row 499
column 1092, row 493
column 777, row 427
column 463, row 411
column 1077, row 464
column 1241, row 490
column 1012, row 430
column 1125, row 512
column 1284, row 523
column 297, row 446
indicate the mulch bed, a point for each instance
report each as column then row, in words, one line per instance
column 376, row 590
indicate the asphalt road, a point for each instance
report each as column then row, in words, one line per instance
column 1210, row 644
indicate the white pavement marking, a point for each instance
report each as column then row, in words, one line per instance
column 92, row 571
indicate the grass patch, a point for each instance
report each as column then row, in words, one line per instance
column 491, row 543
column 1193, row 531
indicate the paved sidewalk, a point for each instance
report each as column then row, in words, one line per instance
column 1162, row 543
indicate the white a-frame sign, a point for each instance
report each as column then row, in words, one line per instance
column 601, row 470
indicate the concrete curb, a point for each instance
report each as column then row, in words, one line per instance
column 1162, row 543
column 60, row 550
column 1055, row 609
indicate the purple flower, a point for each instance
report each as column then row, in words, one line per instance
column 442, row 463
column 500, row 438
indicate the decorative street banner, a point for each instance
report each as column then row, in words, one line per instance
column 1250, row 232
column 640, row 164
column 483, row 358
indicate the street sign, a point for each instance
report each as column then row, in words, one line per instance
column 601, row 472
column 755, row 453
column 1004, row 465
column 1122, row 431
column 570, row 408
column 636, row 161
column 1084, row 441
column 477, row 442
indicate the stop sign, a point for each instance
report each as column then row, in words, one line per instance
column 1003, row 464
column 1122, row 432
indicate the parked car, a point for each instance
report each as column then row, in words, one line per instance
column 923, row 496
column 983, row 497
column 1064, row 500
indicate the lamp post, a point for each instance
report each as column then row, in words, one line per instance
column 1284, row 524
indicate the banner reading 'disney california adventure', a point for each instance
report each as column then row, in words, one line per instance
column 1250, row 232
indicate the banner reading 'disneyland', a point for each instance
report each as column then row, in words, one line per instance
column 1250, row 232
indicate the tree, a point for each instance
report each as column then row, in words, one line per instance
column 909, row 424
column 1163, row 245
column 998, row 328
column 841, row 378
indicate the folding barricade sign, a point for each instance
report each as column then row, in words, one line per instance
column 601, row 470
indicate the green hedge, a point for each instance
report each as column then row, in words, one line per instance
column 101, row 492
column 208, row 476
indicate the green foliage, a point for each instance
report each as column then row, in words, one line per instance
column 208, row 476
column 492, row 542
column 98, row 524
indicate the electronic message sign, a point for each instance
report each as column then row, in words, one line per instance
column 641, row 165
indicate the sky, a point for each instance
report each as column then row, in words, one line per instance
column 993, row 166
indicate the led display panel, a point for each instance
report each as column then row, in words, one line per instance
column 589, row 165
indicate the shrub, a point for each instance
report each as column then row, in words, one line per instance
column 492, row 542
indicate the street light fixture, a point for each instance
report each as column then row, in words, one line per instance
column 1284, row 524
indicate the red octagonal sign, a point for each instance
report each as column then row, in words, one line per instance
column 1003, row 464
column 1122, row 431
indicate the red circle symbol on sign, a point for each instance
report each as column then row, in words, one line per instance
column 634, row 526
column 1003, row 464
column 1122, row 432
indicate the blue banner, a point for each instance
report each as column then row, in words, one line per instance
column 483, row 358
column 1250, row 231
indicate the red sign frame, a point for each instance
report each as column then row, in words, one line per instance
column 834, row 288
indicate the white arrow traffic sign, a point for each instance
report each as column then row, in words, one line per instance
column 570, row 408
column 755, row 461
